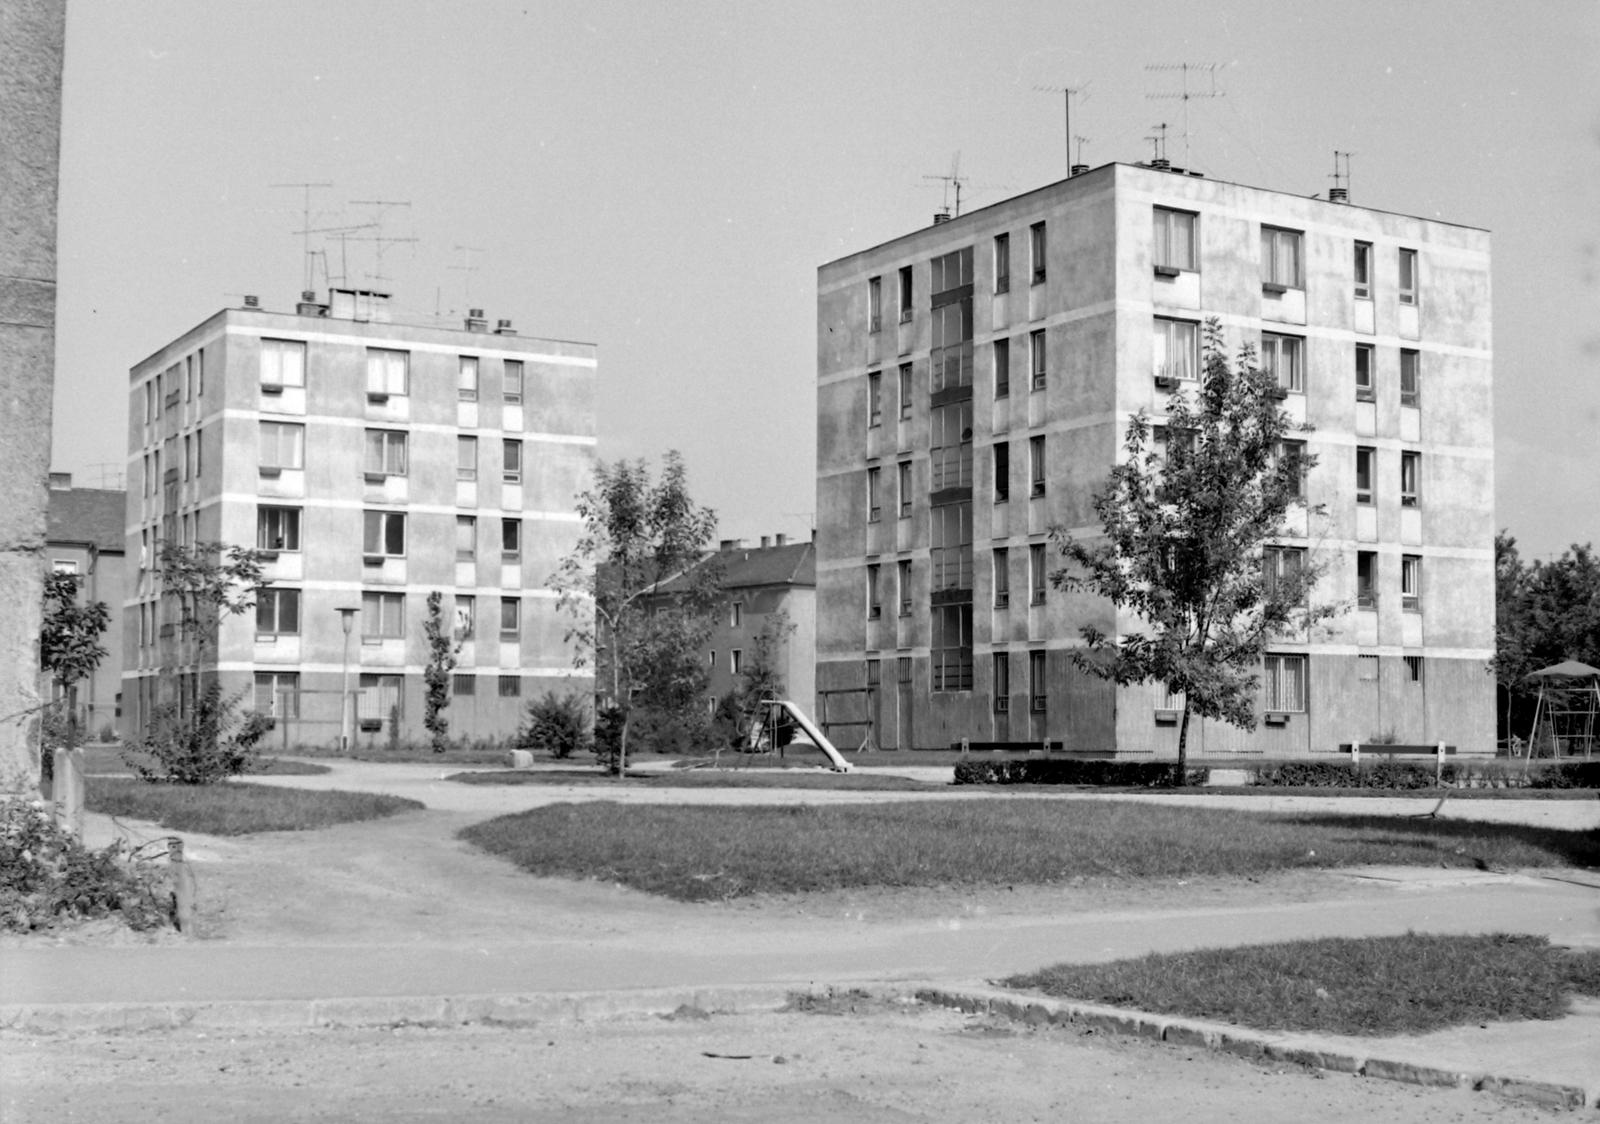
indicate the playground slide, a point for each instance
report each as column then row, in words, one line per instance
column 840, row 765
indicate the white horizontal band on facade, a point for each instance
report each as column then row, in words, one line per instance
column 340, row 422
column 398, row 343
column 841, row 655
column 386, row 669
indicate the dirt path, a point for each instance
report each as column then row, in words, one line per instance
column 882, row 1064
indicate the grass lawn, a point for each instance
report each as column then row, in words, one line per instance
column 702, row 778
column 1341, row 985
column 1376, row 793
column 705, row 853
column 237, row 808
column 106, row 761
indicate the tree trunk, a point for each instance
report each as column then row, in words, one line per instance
column 72, row 716
column 622, row 745
column 1183, row 745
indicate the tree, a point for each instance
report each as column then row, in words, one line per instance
column 642, row 595
column 1545, row 612
column 442, row 650
column 208, row 580
column 69, row 640
column 1186, row 518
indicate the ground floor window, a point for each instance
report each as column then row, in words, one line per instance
column 381, row 699
column 278, row 693
column 464, row 684
column 1284, row 683
column 511, row 686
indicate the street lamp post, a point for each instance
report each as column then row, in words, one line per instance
column 347, row 620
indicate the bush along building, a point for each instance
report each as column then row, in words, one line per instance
column 371, row 462
column 975, row 380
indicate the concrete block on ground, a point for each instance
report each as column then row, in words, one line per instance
column 1539, row 1092
column 1414, row 1074
column 380, row 1011
column 519, row 759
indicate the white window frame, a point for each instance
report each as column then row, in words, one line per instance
column 1283, row 356
column 1038, row 359
column 1000, row 580
column 469, row 523
column 1369, row 494
column 383, row 615
column 466, row 466
column 1036, row 466
column 467, row 371
column 287, row 518
column 1411, row 583
column 1408, row 285
column 1002, row 263
column 874, row 399
column 1410, row 478
column 375, row 524
column 273, row 435
column 874, row 304
column 1170, row 340
column 1366, row 391
column 507, row 635
column 1165, row 220
column 1362, row 264
column 874, row 494
column 385, row 452
column 388, row 372
column 511, row 382
column 1282, row 259
column 509, row 473
column 1038, row 252
column 271, row 599
column 874, row 593
column 283, row 363
column 1038, row 574
column 1284, row 681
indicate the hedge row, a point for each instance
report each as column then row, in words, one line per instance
column 1410, row 775
column 1044, row 770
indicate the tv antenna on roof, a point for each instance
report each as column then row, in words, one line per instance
column 305, row 226
column 1066, row 93
column 467, row 268
column 1185, row 94
column 341, row 233
column 381, row 243
column 1079, row 163
column 1158, row 146
column 1340, row 191
column 953, row 177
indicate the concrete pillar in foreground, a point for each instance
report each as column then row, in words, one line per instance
column 32, row 33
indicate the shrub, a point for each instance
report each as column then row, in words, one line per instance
column 106, row 734
column 676, row 732
column 1132, row 774
column 47, row 875
column 558, row 724
column 1420, row 774
column 197, row 747
column 1566, row 774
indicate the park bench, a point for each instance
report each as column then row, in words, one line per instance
column 1438, row 752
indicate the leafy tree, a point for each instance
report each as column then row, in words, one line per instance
column 1545, row 612
column 69, row 640
column 442, row 650
column 208, row 580
column 557, row 724
column 641, row 594
column 1185, row 517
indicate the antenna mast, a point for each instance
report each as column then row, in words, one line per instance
column 1340, row 191
column 305, row 226
column 467, row 268
column 1185, row 94
column 953, row 177
column 1066, row 93
column 380, row 242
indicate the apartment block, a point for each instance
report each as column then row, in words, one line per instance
column 975, row 379
column 372, row 463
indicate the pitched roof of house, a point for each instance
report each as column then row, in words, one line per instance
column 793, row 564
column 87, row 515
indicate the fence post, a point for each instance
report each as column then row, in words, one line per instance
column 1355, row 754
column 67, row 790
column 1438, row 766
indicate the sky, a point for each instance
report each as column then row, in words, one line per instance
column 663, row 180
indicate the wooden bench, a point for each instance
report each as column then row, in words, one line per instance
column 1438, row 752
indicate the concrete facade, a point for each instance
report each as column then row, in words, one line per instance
column 374, row 463
column 32, row 38
column 86, row 536
column 1096, row 329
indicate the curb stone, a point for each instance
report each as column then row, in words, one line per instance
column 1252, row 1045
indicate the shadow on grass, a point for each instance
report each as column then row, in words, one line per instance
column 1497, row 845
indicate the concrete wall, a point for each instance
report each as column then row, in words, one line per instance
column 32, row 34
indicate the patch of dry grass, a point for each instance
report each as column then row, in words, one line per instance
column 236, row 808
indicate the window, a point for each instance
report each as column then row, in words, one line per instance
column 510, row 619
column 466, row 538
column 510, row 686
column 950, row 546
column 1281, row 567
column 511, row 461
column 1408, row 277
column 278, row 694
column 384, row 533
column 511, row 540
column 1002, row 578
column 278, row 528
column 464, row 684
column 1280, row 259
column 1001, row 681
column 1364, row 464
column 1002, row 263
column 277, row 612
column 950, row 652
column 383, row 615
column 736, row 614
column 1411, row 583
column 1292, row 456
column 64, row 566
column 1284, row 683
column 903, row 585
column 874, row 303
column 874, row 398
column 950, row 272
column 1002, row 368
column 1036, row 358
column 1036, row 251
column 874, row 499
column 1036, row 573
column 1409, row 387
column 199, row 452
column 388, row 372
column 381, row 699
column 1363, row 265
column 1037, row 690
column 188, row 456
column 282, row 445
column 1365, row 390
column 511, row 386
column 1174, row 240
column 466, row 614
column 1367, row 669
column 1410, row 472
column 386, row 452
column 950, row 357
column 1366, row 579
column 874, row 596
column 283, row 363
column 466, row 458
column 905, row 392
column 1036, row 466
column 1177, row 349
column 950, row 446
column 1002, row 471
column 467, row 378
column 905, row 293
column 1413, row 668
column 905, row 489
column 736, row 661
column 1283, row 357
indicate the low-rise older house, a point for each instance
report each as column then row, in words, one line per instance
column 84, row 536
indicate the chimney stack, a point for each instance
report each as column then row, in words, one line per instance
column 766, row 541
column 783, row 539
column 504, row 328
column 252, row 301
column 1338, row 195
column 61, row 481
column 941, row 218
column 475, row 320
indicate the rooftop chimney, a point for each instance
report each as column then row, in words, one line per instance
column 61, row 481
column 766, row 541
column 783, row 539
column 308, row 305
column 504, row 328
column 1079, row 169
column 941, row 218
column 475, row 320
column 730, row 544
column 1338, row 195
column 252, row 301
